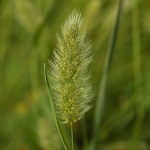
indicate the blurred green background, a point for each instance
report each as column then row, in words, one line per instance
column 27, row 38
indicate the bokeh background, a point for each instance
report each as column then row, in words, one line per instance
column 27, row 38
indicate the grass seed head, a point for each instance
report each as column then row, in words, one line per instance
column 69, row 77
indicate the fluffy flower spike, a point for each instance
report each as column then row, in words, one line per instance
column 69, row 78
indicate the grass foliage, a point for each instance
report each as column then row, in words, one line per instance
column 27, row 40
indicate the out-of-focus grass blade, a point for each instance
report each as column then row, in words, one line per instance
column 84, row 134
column 99, row 105
column 63, row 138
column 139, row 97
column 26, row 10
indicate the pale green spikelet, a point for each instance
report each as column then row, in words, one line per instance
column 69, row 78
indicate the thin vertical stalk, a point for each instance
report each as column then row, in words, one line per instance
column 72, row 144
column 84, row 134
column 137, row 75
column 100, row 102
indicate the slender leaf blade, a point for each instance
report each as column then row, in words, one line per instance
column 61, row 133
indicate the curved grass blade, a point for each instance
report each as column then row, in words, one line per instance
column 100, row 102
column 84, row 134
column 139, row 97
column 62, row 136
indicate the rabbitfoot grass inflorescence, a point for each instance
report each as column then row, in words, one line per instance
column 69, row 78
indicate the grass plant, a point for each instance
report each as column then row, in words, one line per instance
column 118, row 73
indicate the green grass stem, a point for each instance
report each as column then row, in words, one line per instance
column 136, row 42
column 72, row 143
column 84, row 134
column 100, row 102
